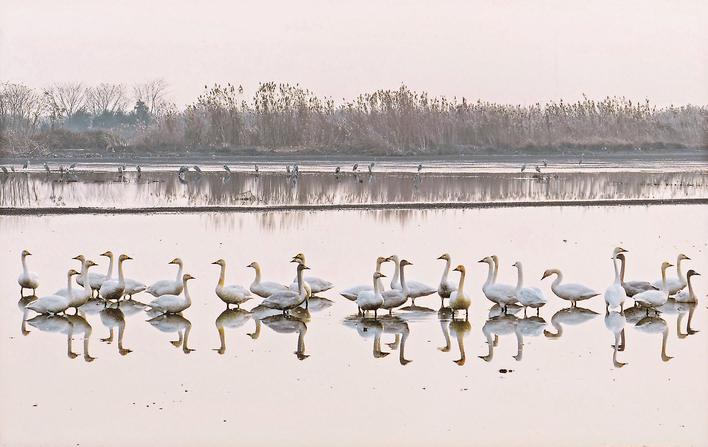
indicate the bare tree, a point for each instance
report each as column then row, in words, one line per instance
column 105, row 97
column 152, row 94
column 20, row 106
column 66, row 99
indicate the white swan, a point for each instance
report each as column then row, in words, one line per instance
column 655, row 298
column 413, row 289
column 688, row 296
column 133, row 287
column 615, row 293
column 287, row 299
column 632, row 287
column 264, row 289
column 97, row 279
column 371, row 299
column 317, row 285
column 501, row 294
column 446, row 287
column 569, row 291
column 232, row 294
column 351, row 293
column 112, row 289
column 168, row 286
column 531, row 297
column 172, row 304
column 79, row 297
column 53, row 304
column 27, row 279
column 674, row 285
column 458, row 299
column 394, row 298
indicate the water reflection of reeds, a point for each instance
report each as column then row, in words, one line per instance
column 155, row 189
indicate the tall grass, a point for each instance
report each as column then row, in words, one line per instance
column 285, row 116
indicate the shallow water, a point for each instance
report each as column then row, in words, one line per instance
column 158, row 189
column 319, row 378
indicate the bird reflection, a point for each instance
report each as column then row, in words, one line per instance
column 317, row 303
column 93, row 306
column 58, row 324
column 445, row 315
column 170, row 323
column 673, row 307
column 395, row 325
column 460, row 329
column 22, row 304
column 570, row 316
column 615, row 322
column 112, row 318
column 496, row 326
column 81, row 326
column 532, row 326
column 655, row 325
column 368, row 328
column 232, row 319
column 289, row 324
column 131, row 307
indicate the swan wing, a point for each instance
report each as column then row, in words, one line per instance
column 352, row 292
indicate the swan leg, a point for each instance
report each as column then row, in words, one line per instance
column 467, row 314
column 375, row 313
column 538, row 311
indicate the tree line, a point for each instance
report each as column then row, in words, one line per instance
column 277, row 116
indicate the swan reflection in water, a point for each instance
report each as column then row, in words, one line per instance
column 500, row 325
column 81, row 326
column 170, row 323
column 392, row 324
column 113, row 317
column 231, row 319
column 673, row 307
column 290, row 324
column 368, row 328
column 615, row 322
column 22, row 304
column 532, row 326
column 459, row 329
column 655, row 325
column 570, row 316
column 55, row 323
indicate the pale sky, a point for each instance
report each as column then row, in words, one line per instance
column 512, row 51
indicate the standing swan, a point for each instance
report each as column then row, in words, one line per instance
column 688, row 296
column 569, row 291
column 531, row 297
column 497, row 293
column 79, row 297
column 266, row 288
column 371, row 299
column 287, row 299
column 412, row 289
column 27, row 279
column 172, row 304
column 632, row 287
column 446, row 286
column 168, row 286
column 232, row 294
column 112, row 289
column 53, row 304
column 352, row 292
column 656, row 298
column 458, row 299
column 674, row 285
column 317, row 285
column 394, row 298
column 97, row 279
column 615, row 293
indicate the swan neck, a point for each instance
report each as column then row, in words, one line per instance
column 300, row 283
column 678, row 270
column 622, row 264
column 109, row 273
column 222, row 275
column 519, row 277
column 187, row 297
column 121, row 278
column 24, row 264
column 396, row 273
column 68, row 284
column 490, row 275
column 557, row 281
column 496, row 271
column 377, row 287
column 617, row 274
column 690, row 287
column 461, row 284
column 663, row 278
column 179, row 272
column 446, row 271
column 404, row 286
column 257, row 280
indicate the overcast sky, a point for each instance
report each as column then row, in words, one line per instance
column 506, row 51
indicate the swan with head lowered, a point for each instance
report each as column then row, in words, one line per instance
column 371, row 299
column 352, row 292
column 632, row 287
column 688, row 296
column 572, row 292
column 446, row 287
column 54, row 304
column 674, row 285
column 615, row 293
column 531, row 297
column 288, row 299
column 112, row 289
column 264, row 289
column 232, row 294
column 317, row 285
column 458, row 299
column 79, row 297
column 168, row 286
column 172, row 304
column 501, row 294
column 27, row 279
column 655, row 298
column 412, row 289
column 97, row 279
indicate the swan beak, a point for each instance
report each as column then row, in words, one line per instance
column 545, row 275
column 441, row 257
column 215, row 262
column 481, row 260
column 76, row 257
column 622, row 250
column 696, row 274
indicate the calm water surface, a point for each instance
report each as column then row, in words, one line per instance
column 328, row 377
